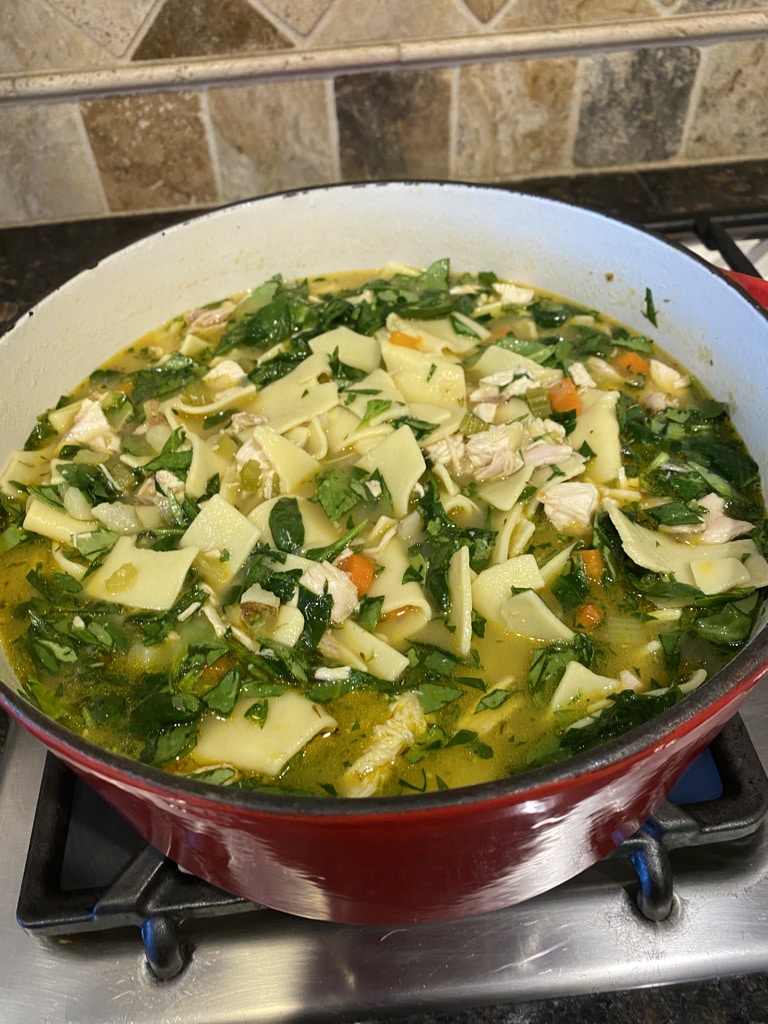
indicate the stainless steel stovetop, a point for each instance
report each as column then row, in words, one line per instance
column 586, row 936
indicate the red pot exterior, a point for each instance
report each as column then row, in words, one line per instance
column 442, row 855
column 408, row 862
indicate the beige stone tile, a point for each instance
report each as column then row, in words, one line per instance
column 633, row 106
column 113, row 24
column 300, row 15
column 394, row 124
column 513, row 119
column 46, row 171
column 272, row 136
column 152, row 151
column 198, row 28
column 541, row 13
column 731, row 117
column 361, row 21
column 34, row 37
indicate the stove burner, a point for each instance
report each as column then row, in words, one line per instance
column 88, row 870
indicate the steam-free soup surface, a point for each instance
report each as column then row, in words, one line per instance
column 378, row 533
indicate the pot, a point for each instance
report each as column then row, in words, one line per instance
column 441, row 855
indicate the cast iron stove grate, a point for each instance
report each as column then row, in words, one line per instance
column 87, row 870
column 719, row 235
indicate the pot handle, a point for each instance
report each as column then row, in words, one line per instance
column 756, row 286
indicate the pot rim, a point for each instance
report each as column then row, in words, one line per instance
column 736, row 678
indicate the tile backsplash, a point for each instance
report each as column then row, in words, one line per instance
column 122, row 106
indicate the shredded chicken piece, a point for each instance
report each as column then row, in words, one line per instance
column 629, row 681
column 226, row 374
column 147, row 492
column 220, row 627
column 494, row 453
column 384, row 530
column 251, row 451
column 502, row 449
column 167, row 482
column 211, row 610
column 570, row 505
column 666, row 378
column 91, row 427
column 324, row 577
column 657, row 401
column 604, row 372
column 391, row 738
column 199, row 319
column 449, row 451
column 513, row 294
column 366, row 295
column 667, row 387
column 485, row 393
column 555, row 431
column 510, row 382
column 485, row 411
column 544, row 453
column 243, row 420
column 330, row 674
column 718, row 527
column 580, row 376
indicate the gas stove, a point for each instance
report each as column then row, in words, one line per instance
column 97, row 927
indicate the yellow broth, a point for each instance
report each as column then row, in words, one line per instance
column 425, row 507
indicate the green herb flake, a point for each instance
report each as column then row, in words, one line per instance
column 493, row 700
column 434, row 696
column 221, row 699
column 649, row 312
column 286, row 525
column 257, row 712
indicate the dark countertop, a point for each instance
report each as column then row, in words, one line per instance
column 35, row 260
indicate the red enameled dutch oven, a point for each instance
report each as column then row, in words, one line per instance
column 441, row 855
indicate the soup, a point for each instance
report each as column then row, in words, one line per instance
column 380, row 533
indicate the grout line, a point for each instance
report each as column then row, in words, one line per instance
column 333, row 126
column 285, row 28
column 574, row 114
column 453, row 122
column 561, row 41
column 90, row 156
column 694, row 101
column 212, row 142
column 146, row 23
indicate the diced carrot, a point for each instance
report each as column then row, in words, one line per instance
column 499, row 331
column 361, row 569
column 593, row 564
column 632, row 363
column 564, row 397
column 588, row 616
column 404, row 340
